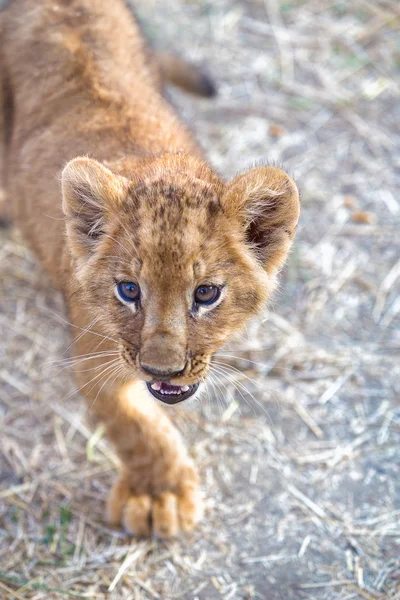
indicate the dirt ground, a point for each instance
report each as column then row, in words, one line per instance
column 299, row 441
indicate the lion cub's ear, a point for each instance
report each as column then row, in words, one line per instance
column 266, row 199
column 90, row 193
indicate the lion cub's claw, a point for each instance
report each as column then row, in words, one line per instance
column 165, row 515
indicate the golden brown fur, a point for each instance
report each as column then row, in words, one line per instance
column 140, row 204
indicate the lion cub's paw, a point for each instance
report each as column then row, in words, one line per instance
column 165, row 514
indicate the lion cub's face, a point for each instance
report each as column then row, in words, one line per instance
column 173, row 261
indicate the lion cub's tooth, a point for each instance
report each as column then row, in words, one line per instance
column 185, row 388
column 156, row 386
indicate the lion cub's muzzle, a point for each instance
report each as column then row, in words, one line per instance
column 163, row 357
column 163, row 364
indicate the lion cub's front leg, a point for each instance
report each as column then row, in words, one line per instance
column 158, row 485
column 157, row 488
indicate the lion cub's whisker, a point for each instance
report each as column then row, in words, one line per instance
column 114, row 373
column 80, row 336
column 253, row 362
column 95, row 368
column 84, row 329
column 96, row 377
column 77, row 357
column 239, row 385
column 229, row 367
column 218, row 394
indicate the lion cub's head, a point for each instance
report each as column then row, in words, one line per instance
column 172, row 260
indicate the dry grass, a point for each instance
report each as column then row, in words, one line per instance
column 300, row 448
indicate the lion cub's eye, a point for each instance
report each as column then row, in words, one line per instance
column 128, row 291
column 207, row 294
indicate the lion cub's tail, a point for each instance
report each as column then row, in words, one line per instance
column 187, row 76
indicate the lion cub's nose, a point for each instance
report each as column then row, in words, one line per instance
column 158, row 374
column 162, row 356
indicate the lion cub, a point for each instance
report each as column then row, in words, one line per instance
column 159, row 259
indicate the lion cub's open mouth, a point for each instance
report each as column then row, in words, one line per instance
column 171, row 394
